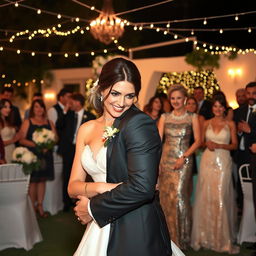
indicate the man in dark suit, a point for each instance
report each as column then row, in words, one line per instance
column 7, row 93
column 69, row 124
column 204, row 106
column 56, row 112
column 244, row 121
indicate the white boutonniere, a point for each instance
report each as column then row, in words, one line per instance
column 254, row 111
column 85, row 116
column 108, row 134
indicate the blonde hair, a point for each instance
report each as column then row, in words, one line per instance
column 177, row 87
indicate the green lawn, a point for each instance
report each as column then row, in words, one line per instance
column 62, row 233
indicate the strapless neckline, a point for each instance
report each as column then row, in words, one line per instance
column 94, row 157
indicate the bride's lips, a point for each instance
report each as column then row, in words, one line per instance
column 118, row 109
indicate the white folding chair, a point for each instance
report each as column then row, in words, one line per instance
column 53, row 199
column 247, row 229
column 18, row 223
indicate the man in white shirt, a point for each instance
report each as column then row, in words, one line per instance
column 69, row 124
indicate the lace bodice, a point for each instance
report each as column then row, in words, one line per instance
column 7, row 133
column 222, row 137
column 96, row 167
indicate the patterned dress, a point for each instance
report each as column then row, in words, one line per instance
column 174, row 184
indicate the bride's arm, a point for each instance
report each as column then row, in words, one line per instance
column 77, row 185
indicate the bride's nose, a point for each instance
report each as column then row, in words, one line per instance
column 121, row 101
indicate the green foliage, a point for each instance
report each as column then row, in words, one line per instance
column 202, row 60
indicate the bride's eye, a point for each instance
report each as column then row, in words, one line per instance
column 130, row 96
column 113, row 93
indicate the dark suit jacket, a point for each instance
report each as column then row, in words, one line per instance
column 65, row 124
column 138, row 226
column 206, row 110
column 239, row 115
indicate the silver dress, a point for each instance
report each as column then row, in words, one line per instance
column 214, row 208
column 174, row 184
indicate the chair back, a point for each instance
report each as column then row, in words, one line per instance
column 246, row 180
column 13, row 183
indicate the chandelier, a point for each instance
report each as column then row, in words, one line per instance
column 107, row 27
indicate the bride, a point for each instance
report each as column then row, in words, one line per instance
column 121, row 206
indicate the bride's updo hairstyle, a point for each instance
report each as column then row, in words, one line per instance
column 115, row 70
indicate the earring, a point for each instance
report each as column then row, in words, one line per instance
column 101, row 98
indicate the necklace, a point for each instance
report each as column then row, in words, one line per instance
column 178, row 117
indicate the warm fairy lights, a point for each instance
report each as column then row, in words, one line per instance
column 190, row 80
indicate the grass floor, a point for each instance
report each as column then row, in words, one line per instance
column 62, row 234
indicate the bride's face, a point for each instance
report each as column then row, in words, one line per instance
column 119, row 99
column 217, row 109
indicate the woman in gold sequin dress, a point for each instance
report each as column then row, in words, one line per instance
column 176, row 165
column 214, row 209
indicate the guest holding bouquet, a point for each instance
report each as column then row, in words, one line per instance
column 40, row 141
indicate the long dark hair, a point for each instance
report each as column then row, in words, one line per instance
column 221, row 98
column 9, row 120
column 41, row 103
column 116, row 70
column 149, row 107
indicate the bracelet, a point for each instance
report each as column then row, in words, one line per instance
column 85, row 189
column 186, row 160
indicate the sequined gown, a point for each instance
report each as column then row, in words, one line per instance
column 174, row 184
column 214, row 209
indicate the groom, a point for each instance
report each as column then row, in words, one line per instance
column 137, row 222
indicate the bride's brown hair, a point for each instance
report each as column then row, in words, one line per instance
column 116, row 70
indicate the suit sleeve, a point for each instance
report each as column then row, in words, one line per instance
column 143, row 149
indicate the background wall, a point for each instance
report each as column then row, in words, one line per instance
column 243, row 70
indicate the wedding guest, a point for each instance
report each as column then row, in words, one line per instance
column 242, row 119
column 166, row 103
column 56, row 112
column 36, row 96
column 154, row 108
column 7, row 93
column 2, row 153
column 127, row 217
column 191, row 104
column 229, row 114
column 204, row 106
column 8, row 130
column 69, row 123
column 176, row 165
column 214, row 209
column 38, row 119
column 241, row 98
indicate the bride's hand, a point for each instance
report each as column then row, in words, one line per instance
column 104, row 187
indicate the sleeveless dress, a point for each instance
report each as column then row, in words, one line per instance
column 95, row 239
column 214, row 209
column 174, row 184
column 7, row 133
column 46, row 171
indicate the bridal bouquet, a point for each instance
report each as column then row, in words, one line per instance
column 22, row 155
column 44, row 139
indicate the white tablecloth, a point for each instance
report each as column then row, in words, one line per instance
column 53, row 202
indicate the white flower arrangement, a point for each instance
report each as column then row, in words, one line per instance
column 108, row 134
column 22, row 155
column 44, row 138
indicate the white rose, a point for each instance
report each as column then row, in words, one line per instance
column 27, row 158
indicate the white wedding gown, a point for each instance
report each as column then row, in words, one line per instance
column 95, row 239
